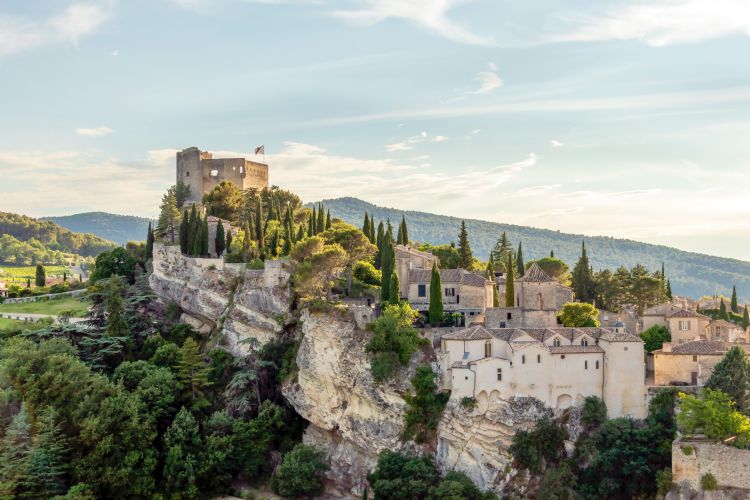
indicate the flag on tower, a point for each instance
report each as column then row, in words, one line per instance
column 260, row 150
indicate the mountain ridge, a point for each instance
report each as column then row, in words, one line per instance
column 114, row 227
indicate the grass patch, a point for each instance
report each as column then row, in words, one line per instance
column 13, row 275
column 8, row 325
column 74, row 305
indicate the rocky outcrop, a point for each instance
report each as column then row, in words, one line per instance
column 229, row 301
column 475, row 441
column 351, row 417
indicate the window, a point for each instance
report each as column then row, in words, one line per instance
column 538, row 358
column 585, row 365
column 488, row 349
column 187, row 174
column 509, row 316
column 584, row 341
column 499, row 374
column 450, row 292
column 597, row 365
column 539, row 301
column 695, row 358
column 684, row 325
column 422, row 290
column 523, row 359
column 502, row 324
column 556, row 342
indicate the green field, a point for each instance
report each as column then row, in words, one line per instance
column 76, row 306
column 11, row 324
column 17, row 275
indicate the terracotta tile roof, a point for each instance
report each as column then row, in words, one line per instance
column 405, row 252
column 535, row 274
column 573, row 349
column 700, row 347
column 685, row 313
column 661, row 310
column 461, row 276
column 724, row 324
column 570, row 334
column 471, row 333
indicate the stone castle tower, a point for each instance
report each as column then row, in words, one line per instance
column 199, row 170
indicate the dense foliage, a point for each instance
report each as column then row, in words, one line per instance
column 579, row 314
column 731, row 375
column 714, row 414
column 654, row 338
column 424, row 407
column 394, row 340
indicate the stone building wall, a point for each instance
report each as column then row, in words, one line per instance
column 691, row 459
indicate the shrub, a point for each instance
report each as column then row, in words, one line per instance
column 384, row 366
column 687, row 450
column 594, row 412
column 366, row 273
column 425, row 406
column 663, row 482
column 543, row 444
column 655, row 337
column 300, row 473
column 708, row 482
column 468, row 402
column 256, row 264
column 393, row 333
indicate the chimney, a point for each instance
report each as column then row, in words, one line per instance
column 666, row 347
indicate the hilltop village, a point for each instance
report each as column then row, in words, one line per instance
column 254, row 346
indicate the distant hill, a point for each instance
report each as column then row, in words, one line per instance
column 118, row 228
column 25, row 241
column 691, row 274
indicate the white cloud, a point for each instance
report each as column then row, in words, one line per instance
column 94, row 132
column 664, row 22
column 556, row 144
column 429, row 14
column 489, row 82
column 18, row 34
column 399, row 146
column 415, row 139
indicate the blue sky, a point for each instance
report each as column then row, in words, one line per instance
column 622, row 118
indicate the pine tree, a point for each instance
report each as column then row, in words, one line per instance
column 735, row 307
column 500, row 252
column 150, row 241
column 366, row 227
column 520, row 269
column 436, row 297
column 15, row 456
column 723, row 311
column 395, row 293
column 220, row 240
column 510, row 294
column 320, row 223
column 41, row 276
column 116, row 324
column 465, row 259
column 669, row 290
column 404, row 230
column 387, row 267
column 732, row 376
column 169, row 217
column 745, row 318
column 328, row 219
column 204, row 236
column 184, row 233
column 47, row 462
column 583, row 278
column 193, row 373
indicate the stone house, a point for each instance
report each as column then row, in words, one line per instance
column 202, row 172
column 720, row 329
column 538, row 299
column 558, row 366
column 464, row 292
column 683, row 324
column 689, row 363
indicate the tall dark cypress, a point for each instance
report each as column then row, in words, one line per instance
column 366, row 227
column 734, row 305
column 520, row 269
column 328, row 219
column 372, row 230
column 193, row 229
column 314, row 221
column 404, row 230
column 259, row 233
column 150, row 239
column 465, row 258
column 300, row 233
column 389, row 229
column 436, row 297
column 204, row 236
column 184, row 234
column 311, row 224
column 379, row 241
column 320, row 224
column 387, row 263
column 229, row 241
column 220, row 240
column 400, row 237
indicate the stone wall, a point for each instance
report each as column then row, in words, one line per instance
column 691, row 459
column 48, row 296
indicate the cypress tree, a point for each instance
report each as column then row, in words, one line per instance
column 366, row 227
column 204, row 236
column 389, row 229
column 184, row 233
column 259, row 236
column 311, row 224
column 723, row 311
column 372, row 230
column 395, row 293
column 520, row 269
column 510, row 294
column 192, row 229
column 193, row 373
column 328, row 219
column 320, row 223
column 41, row 276
column 583, row 278
column 300, row 233
column 220, row 241
column 288, row 240
column 150, row 239
column 247, row 243
column 274, row 243
column 465, row 259
column 669, row 290
column 404, row 231
column 379, row 240
column 400, row 237
column 734, row 305
column 745, row 318
column 552, row 254
column 116, row 324
column 436, row 297
column 229, row 241
column 387, row 265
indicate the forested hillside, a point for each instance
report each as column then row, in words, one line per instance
column 690, row 273
column 113, row 227
column 26, row 241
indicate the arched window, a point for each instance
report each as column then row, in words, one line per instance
column 523, row 359
column 597, row 365
column 584, row 341
column 539, row 301
column 488, row 349
column 585, row 365
column 538, row 358
column 556, row 342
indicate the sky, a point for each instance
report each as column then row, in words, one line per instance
column 620, row 118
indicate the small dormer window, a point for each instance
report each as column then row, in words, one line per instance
column 556, row 342
column 584, row 341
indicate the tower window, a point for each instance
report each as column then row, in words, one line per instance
column 538, row 358
column 597, row 365
column 187, row 174
column 585, row 365
column 499, row 374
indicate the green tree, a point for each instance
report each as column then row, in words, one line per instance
column 15, row 456
column 654, row 338
column 436, row 312
column 669, row 289
column 425, row 406
column 394, row 340
column 579, row 314
column 544, row 444
column 41, row 276
column 150, row 242
column 387, row 267
column 713, row 413
column 397, row 476
column 355, row 244
column 745, row 318
column 193, row 374
column 553, row 267
column 394, row 294
column 117, row 261
column 182, row 456
column 116, row 324
column 366, row 227
column 328, row 219
column 734, row 306
column 204, row 236
column 510, row 293
column 520, row 270
column 582, row 278
column 723, row 311
column 220, row 240
column 224, row 201
column 181, row 193
column 379, row 243
column 500, row 252
column 320, row 224
column 169, row 217
column 466, row 259
column 731, row 375
column 184, row 232
column 193, row 232
column 48, row 461
column 404, row 230
column 300, row 473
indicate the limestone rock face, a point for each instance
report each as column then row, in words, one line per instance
column 350, row 417
column 476, row 441
column 228, row 299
